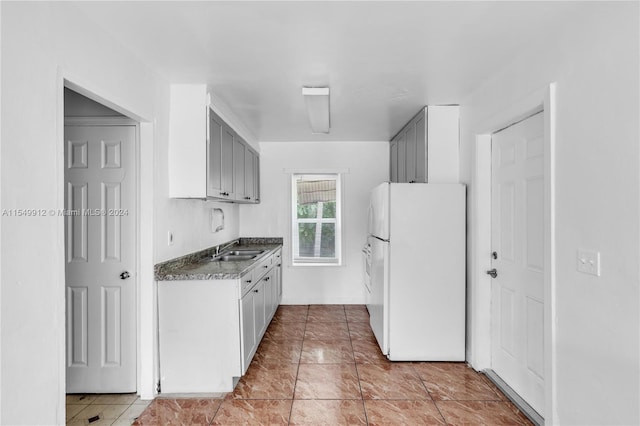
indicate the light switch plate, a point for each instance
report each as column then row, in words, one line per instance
column 588, row 262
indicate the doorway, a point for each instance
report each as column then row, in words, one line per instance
column 517, row 230
column 480, row 343
column 100, row 218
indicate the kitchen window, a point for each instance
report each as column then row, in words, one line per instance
column 316, row 219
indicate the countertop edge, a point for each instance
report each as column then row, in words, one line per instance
column 174, row 269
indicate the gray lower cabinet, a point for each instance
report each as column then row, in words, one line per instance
column 426, row 149
column 258, row 305
column 248, row 309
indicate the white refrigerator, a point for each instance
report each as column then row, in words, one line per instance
column 417, row 271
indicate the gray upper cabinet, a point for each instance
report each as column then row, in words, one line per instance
column 411, row 154
column 207, row 158
column 251, row 176
column 214, row 156
column 421, row 148
column 220, row 170
column 393, row 157
column 226, row 163
column 237, row 166
column 402, row 158
column 426, row 149
column 238, row 169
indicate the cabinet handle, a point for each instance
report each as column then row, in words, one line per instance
column 256, row 291
column 265, row 266
column 248, row 281
column 413, row 181
column 247, row 198
column 267, row 279
column 279, row 264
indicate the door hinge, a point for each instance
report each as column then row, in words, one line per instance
column 158, row 389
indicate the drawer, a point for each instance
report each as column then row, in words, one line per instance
column 246, row 282
column 277, row 258
column 262, row 267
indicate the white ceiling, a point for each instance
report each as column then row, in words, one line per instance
column 383, row 60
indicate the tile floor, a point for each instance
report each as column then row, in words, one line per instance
column 321, row 365
column 111, row 409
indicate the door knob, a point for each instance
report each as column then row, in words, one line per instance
column 125, row 275
column 492, row 272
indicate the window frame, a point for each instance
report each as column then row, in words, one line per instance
column 295, row 221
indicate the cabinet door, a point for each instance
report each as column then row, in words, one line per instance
column 214, row 156
column 410, row 143
column 278, row 278
column 421, row 148
column 256, row 178
column 393, row 159
column 268, row 298
column 249, row 339
column 238, row 168
column 227, row 163
column 402, row 159
column 249, row 180
column 259, row 295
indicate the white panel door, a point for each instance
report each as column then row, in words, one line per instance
column 100, row 258
column 517, row 240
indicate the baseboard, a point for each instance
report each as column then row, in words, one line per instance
column 328, row 301
column 517, row 400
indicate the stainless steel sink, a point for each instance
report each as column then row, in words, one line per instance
column 233, row 257
column 238, row 255
column 241, row 252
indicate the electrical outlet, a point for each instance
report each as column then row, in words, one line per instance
column 170, row 238
column 588, row 262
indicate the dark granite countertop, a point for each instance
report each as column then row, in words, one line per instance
column 198, row 265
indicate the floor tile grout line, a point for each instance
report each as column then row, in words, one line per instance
column 364, row 406
column 295, row 382
column 216, row 413
column 433, row 401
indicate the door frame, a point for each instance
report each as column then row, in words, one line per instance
column 146, row 341
column 479, row 293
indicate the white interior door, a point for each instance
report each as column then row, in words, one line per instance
column 517, row 323
column 100, row 258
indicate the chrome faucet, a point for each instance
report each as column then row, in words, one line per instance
column 225, row 246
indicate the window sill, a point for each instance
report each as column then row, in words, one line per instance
column 314, row 264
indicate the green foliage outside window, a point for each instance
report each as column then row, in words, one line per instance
column 307, row 231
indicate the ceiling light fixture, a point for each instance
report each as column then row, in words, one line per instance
column 317, row 100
